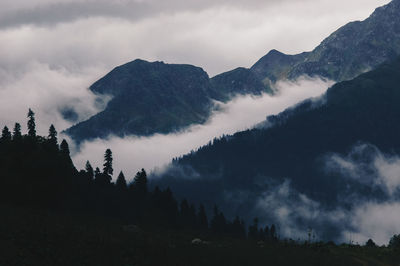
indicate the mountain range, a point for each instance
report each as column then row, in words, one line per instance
column 357, row 120
column 149, row 98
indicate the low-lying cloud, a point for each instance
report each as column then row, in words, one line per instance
column 356, row 217
column 243, row 112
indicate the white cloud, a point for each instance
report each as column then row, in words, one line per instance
column 133, row 153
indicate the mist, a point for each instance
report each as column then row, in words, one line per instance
column 356, row 216
column 243, row 112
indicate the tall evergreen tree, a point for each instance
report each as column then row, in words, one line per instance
column 5, row 134
column 89, row 170
column 31, row 124
column 17, row 135
column 108, row 163
column 64, row 148
column 52, row 136
column 121, row 182
column 97, row 172
column 140, row 183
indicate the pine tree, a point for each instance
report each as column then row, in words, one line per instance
column 17, row 132
column 97, row 172
column 108, row 160
column 52, row 136
column 140, row 183
column 5, row 135
column 64, row 148
column 121, row 182
column 31, row 124
column 89, row 170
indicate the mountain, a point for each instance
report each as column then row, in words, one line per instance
column 237, row 170
column 149, row 98
column 353, row 49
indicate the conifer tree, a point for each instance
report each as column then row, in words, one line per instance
column 31, row 124
column 17, row 132
column 121, row 182
column 5, row 135
column 52, row 136
column 108, row 160
column 140, row 183
column 97, row 172
column 64, row 148
column 89, row 170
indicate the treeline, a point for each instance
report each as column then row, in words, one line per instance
column 36, row 171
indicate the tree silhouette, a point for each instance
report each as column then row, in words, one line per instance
column 31, row 124
column 89, row 170
column 17, row 132
column 5, row 135
column 52, row 138
column 121, row 182
column 64, row 148
column 140, row 183
column 108, row 160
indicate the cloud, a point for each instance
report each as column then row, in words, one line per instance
column 47, row 91
column 133, row 153
column 44, row 12
column 355, row 217
column 51, row 51
column 367, row 165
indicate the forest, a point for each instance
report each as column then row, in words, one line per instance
column 65, row 216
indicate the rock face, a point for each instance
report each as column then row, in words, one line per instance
column 353, row 49
column 149, row 98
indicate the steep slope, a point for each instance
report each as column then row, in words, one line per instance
column 155, row 97
column 150, row 98
column 236, row 170
column 353, row 49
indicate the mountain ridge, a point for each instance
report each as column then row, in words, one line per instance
column 353, row 49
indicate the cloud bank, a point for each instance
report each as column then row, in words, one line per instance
column 133, row 153
column 51, row 51
column 356, row 216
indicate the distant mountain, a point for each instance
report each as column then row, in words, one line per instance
column 353, row 49
column 237, row 170
column 150, row 98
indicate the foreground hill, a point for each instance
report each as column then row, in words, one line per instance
column 237, row 170
column 150, row 98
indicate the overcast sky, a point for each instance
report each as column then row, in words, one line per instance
column 52, row 50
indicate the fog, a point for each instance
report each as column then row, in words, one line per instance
column 356, row 216
column 243, row 112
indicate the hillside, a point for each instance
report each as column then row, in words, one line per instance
column 235, row 171
column 149, row 98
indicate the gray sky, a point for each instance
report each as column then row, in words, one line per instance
column 51, row 51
